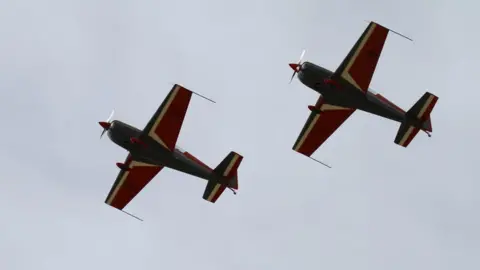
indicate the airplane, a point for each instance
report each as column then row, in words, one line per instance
column 347, row 89
column 154, row 148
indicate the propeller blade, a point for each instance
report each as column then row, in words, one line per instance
column 106, row 124
column 301, row 56
column 297, row 66
column 103, row 132
column 110, row 117
column 293, row 76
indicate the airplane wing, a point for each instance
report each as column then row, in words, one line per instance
column 320, row 126
column 359, row 65
column 130, row 182
column 165, row 125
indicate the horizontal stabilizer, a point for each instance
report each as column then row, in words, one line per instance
column 405, row 134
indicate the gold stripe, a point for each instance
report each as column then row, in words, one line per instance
column 307, row 132
column 424, row 108
column 329, row 107
column 160, row 117
column 117, row 188
column 214, row 191
column 125, row 176
column 345, row 73
column 406, row 136
column 323, row 107
column 230, row 165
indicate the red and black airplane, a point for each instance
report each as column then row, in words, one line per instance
column 154, row 148
column 347, row 89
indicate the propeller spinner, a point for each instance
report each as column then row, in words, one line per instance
column 106, row 125
column 296, row 67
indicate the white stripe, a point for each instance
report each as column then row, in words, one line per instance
column 345, row 73
column 125, row 176
column 307, row 132
column 406, row 136
column 152, row 132
column 424, row 108
column 329, row 107
column 230, row 165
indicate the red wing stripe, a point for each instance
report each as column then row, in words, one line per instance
column 168, row 123
column 362, row 60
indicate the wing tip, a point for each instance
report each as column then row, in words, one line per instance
column 179, row 86
column 393, row 31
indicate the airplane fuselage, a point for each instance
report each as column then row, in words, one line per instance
column 313, row 76
column 149, row 151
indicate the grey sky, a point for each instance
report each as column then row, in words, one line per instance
column 64, row 65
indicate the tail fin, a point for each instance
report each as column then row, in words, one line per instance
column 417, row 118
column 227, row 173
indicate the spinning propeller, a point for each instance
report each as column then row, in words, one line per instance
column 296, row 67
column 106, row 125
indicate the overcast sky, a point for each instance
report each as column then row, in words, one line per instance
column 64, row 65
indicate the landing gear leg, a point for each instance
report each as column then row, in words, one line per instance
column 234, row 193
column 428, row 133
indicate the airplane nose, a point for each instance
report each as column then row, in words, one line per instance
column 294, row 66
column 104, row 125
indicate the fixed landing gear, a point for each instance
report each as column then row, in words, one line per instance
column 328, row 82
column 314, row 109
column 234, row 192
column 428, row 133
column 137, row 141
column 122, row 166
column 332, row 83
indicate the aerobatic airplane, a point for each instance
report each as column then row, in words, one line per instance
column 154, row 148
column 347, row 89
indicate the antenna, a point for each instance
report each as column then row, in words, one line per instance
column 203, row 97
column 195, row 93
column 131, row 215
column 326, row 165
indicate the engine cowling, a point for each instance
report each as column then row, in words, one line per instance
column 122, row 166
column 314, row 109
